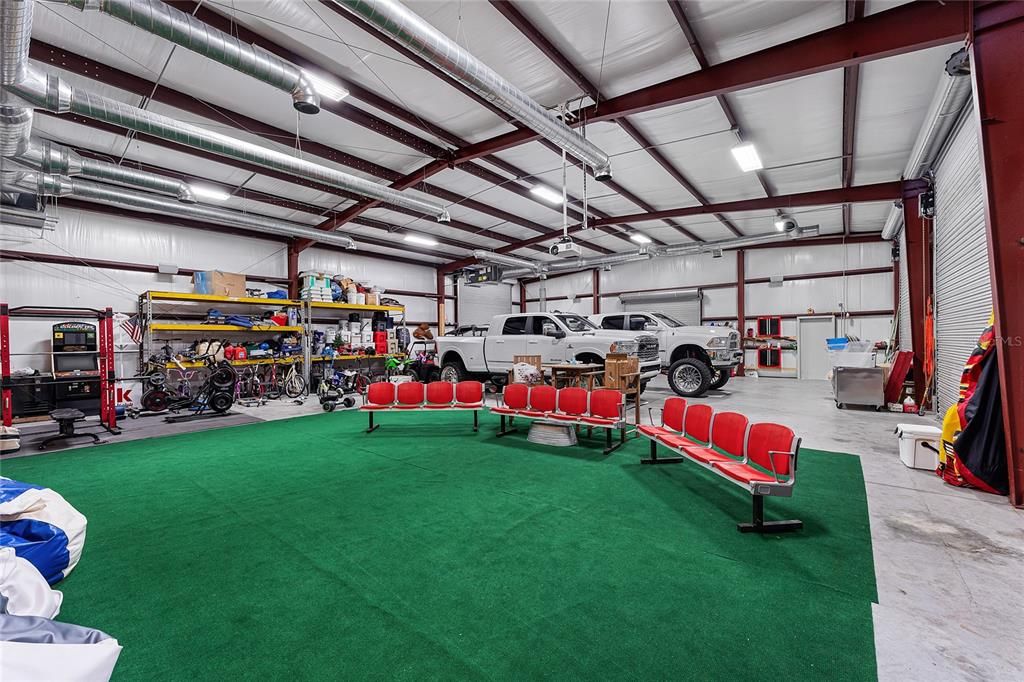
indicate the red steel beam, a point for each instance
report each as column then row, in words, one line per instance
column 741, row 305
column 883, row 191
column 903, row 29
column 919, row 283
column 997, row 69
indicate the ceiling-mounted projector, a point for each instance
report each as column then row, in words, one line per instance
column 566, row 248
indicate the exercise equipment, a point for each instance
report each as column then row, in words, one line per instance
column 217, row 393
column 81, row 361
column 66, row 419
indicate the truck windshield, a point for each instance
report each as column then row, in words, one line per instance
column 671, row 322
column 575, row 323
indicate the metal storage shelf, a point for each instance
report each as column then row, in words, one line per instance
column 210, row 298
column 176, row 327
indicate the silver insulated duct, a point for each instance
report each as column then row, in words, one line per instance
column 162, row 20
column 15, row 37
column 43, row 184
column 50, row 92
column 397, row 21
column 55, row 159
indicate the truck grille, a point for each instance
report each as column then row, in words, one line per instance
column 648, row 348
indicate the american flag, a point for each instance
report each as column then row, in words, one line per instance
column 132, row 329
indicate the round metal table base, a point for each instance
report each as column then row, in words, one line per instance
column 556, row 434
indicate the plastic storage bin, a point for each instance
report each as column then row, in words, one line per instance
column 913, row 451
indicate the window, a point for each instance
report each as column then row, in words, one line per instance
column 577, row 323
column 514, row 325
column 670, row 321
column 612, row 322
column 637, row 323
column 542, row 324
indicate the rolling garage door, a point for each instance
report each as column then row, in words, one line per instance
column 904, row 329
column 683, row 305
column 478, row 304
column 963, row 294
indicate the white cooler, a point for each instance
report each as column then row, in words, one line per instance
column 913, row 453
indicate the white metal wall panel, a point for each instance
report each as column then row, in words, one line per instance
column 680, row 271
column 576, row 284
column 720, row 302
column 802, row 260
column 963, row 293
column 854, row 292
column 906, row 342
column 477, row 305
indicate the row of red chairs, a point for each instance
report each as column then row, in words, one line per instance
column 602, row 408
column 415, row 395
column 759, row 457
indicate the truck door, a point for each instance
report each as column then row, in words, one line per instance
column 511, row 341
column 540, row 342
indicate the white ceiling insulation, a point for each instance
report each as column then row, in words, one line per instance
column 620, row 47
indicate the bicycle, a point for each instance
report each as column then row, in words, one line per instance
column 291, row 384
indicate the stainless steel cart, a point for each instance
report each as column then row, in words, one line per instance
column 859, row 386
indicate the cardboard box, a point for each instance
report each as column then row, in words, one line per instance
column 218, row 283
column 372, row 299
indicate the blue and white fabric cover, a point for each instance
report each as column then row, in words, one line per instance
column 41, row 527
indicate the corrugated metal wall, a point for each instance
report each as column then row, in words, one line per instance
column 906, row 342
column 477, row 305
column 963, row 293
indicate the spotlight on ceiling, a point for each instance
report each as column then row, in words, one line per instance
column 747, row 157
column 546, row 193
column 783, row 224
column 640, row 238
column 325, row 87
column 418, row 239
column 208, row 192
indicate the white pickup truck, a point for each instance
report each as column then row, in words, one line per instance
column 556, row 337
column 697, row 358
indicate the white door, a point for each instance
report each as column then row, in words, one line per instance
column 811, row 348
column 538, row 342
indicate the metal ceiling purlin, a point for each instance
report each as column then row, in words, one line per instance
column 533, row 34
column 903, row 29
column 679, row 12
column 430, row 168
column 851, row 88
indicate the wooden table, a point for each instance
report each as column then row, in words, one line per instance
column 581, row 374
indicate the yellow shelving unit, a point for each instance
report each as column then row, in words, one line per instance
column 357, row 307
column 179, row 327
column 210, row 298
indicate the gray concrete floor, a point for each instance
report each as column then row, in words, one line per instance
column 948, row 561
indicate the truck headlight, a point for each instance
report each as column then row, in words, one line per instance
column 628, row 347
column 718, row 342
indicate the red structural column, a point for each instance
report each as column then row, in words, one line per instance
column 108, row 375
column 596, row 289
column 522, row 297
column 5, row 366
column 441, row 300
column 997, row 66
column 293, row 270
column 919, row 282
column 741, row 304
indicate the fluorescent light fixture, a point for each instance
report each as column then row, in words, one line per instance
column 546, row 193
column 746, row 156
column 207, row 192
column 422, row 241
column 326, row 88
column 640, row 238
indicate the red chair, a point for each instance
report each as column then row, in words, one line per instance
column 469, row 395
column 606, row 412
column 515, row 399
column 440, row 395
column 379, row 396
column 768, row 468
column 698, row 423
column 542, row 402
column 728, row 433
column 571, row 405
column 671, row 419
column 410, row 396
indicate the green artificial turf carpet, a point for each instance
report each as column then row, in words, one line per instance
column 307, row 549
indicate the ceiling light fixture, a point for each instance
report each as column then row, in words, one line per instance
column 422, row 241
column 326, row 88
column 546, row 193
column 747, row 158
column 640, row 238
column 208, row 192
